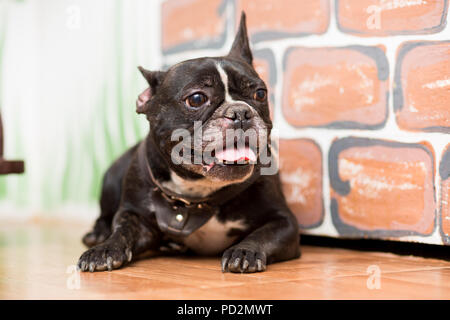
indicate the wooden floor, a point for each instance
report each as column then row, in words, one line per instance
column 37, row 262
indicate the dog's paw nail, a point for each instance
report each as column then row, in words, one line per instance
column 234, row 265
column 260, row 265
column 245, row 265
column 109, row 263
column 129, row 254
column 225, row 260
column 91, row 267
column 224, row 264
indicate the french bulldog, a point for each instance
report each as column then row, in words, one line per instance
column 152, row 201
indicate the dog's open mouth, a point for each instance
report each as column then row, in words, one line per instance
column 235, row 156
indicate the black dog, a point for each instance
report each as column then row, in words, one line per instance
column 149, row 201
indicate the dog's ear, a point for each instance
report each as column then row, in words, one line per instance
column 154, row 79
column 241, row 48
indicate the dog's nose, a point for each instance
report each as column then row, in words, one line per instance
column 240, row 112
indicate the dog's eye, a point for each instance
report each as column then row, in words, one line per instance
column 260, row 95
column 196, row 100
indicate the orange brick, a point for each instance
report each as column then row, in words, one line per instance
column 391, row 17
column 264, row 63
column 193, row 24
column 422, row 86
column 301, row 177
column 336, row 87
column 444, row 172
column 382, row 188
column 274, row 19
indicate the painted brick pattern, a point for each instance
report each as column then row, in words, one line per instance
column 360, row 94
column 192, row 24
column 391, row 17
column 444, row 173
column 422, row 86
column 381, row 187
column 335, row 87
column 301, row 177
column 299, row 18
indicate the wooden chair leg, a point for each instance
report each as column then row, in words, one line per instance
column 7, row 167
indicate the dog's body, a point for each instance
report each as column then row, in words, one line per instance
column 150, row 202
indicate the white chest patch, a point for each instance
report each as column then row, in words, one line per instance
column 212, row 238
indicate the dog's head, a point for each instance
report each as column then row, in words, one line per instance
column 211, row 113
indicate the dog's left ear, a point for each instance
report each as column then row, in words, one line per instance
column 154, row 79
column 241, row 48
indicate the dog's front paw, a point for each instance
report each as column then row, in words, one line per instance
column 106, row 256
column 237, row 259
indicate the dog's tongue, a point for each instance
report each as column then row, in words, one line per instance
column 236, row 155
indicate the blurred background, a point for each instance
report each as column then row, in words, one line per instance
column 68, row 86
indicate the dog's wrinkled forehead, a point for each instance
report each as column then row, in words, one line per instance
column 217, row 73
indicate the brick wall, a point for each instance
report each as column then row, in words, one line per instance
column 360, row 97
